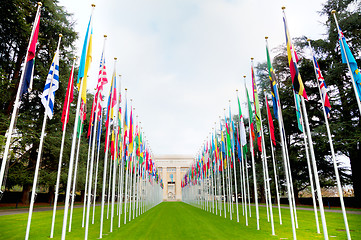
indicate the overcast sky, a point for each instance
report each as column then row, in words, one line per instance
column 183, row 60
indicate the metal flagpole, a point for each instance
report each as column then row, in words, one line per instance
column 253, row 165
column 339, row 187
column 61, row 157
column 96, row 173
column 16, row 104
column 267, row 177
column 115, row 128
column 333, row 12
column 86, row 174
column 33, row 192
column 309, row 169
column 109, row 185
column 234, row 166
column 274, row 167
column 74, row 180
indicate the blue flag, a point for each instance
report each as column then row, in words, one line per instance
column 353, row 65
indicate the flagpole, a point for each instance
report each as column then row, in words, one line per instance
column 267, row 177
column 16, row 105
column 86, row 173
column 309, row 167
column 339, row 187
column 274, row 169
column 333, row 12
column 74, row 180
column 41, row 144
column 61, row 156
column 115, row 123
column 253, row 164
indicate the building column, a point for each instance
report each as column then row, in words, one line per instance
column 178, row 189
column 165, row 182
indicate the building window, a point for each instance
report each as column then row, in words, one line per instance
column 184, row 169
column 159, row 170
column 171, row 169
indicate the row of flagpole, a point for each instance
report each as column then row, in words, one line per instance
column 214, row 159
column 132, row 162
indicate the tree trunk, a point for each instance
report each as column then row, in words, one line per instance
column 356, row 177
column 25, row 195
column 51, row 194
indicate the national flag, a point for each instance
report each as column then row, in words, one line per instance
column 250, row 112
column 351, row 60
column 110, row 106
column 270, row 124
column 51, row 85
column 82, row 117
column 30, row 60
column 298, row 112
column 257, row 110
column 85, row 60
column 242, row 129
column 272, row 78
column 297, row 83
column 323, row 88
column 68, row 98
column 130, row 137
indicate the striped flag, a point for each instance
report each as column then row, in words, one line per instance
column 297, row 83
column 298, row 111
column 51, row 85
column 323, row 88
column 30, row 60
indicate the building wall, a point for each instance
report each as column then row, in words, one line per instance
column 172, row 169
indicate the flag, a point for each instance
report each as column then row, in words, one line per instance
column 111, row 103
column 257, row 110
column 298, row 112
column 250, row 112
column 323, row 88
column 68, row 99
column 351, row 60
column 82, row 117
column 272, row 78
column 53, row 80
column 30, row 60
column 270, row 124
column 297, row 83
column 131, row 132
column 242, row 129
column 85, row 60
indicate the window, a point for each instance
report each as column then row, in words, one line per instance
column 171, row 169
column 183, row 169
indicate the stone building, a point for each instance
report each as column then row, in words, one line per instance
column 172, row 169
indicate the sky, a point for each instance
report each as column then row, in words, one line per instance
column 182, row 60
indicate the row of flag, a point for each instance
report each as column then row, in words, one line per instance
column 133, row 177
column 208, row 180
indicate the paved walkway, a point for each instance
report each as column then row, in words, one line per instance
column 26, row 210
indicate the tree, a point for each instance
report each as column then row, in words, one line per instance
column 15, row 30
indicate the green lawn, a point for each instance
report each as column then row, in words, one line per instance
column 176, row 220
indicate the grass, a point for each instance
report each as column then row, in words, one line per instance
column 177, row 220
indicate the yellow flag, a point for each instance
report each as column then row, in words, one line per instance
column 87, row 65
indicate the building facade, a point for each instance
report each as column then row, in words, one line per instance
column 172, row 169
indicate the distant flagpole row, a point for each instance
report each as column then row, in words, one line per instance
column 216, row 157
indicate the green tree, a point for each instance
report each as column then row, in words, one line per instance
column 15, row 29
